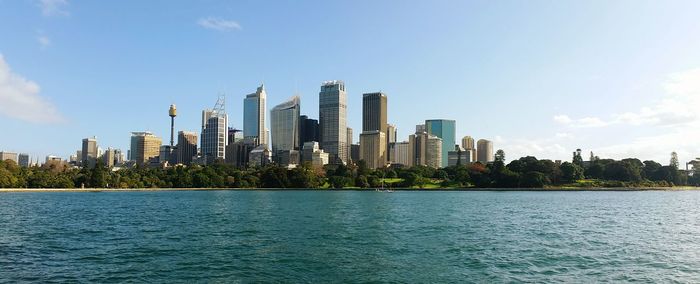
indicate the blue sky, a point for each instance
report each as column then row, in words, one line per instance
column 541, row 78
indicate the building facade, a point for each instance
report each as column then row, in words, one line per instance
column 401, row 153
column 23, row 160
column 484, row 150
column 284, row 123
column 214, row 132
column 308, row 130
column 468, row 145
column 459, row 156
column 186, row 147
column 89, row 152
column 433, row 152
column 8, row 156
column 144, row 147
column 446, row 130
column 373, row 149
column 333, row 121
column 254, row 122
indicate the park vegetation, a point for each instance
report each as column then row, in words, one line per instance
column 526, row 172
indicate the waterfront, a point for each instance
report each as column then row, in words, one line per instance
column 328, row 236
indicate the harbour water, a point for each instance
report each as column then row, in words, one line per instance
column 347, row 236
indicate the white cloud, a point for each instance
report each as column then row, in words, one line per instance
column 678, row 106
column 43, row 40
column 53, row 7
column 219, row 24
column 20, row 98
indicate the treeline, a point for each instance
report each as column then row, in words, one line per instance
column 527, row 172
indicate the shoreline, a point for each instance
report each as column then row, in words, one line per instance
column 552, row 189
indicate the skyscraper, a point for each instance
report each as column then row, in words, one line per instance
column 390, row 140
column 433, row 152
column 308, row 130
column 445, row 130
column 186, row 147
column 284, row 122
column 214, row 132
column 374, row 127
column 254, row 108
column 468, row 145
column 89, row 152
column 484, row 149
column 8, row 156
column 333, row 121
column 144, row 147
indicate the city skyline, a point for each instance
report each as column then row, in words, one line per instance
column 560, row 87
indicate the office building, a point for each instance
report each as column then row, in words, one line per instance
column 108, row 158
column 349, row 135
column 260, row 156
column 234, row 135
column 8, row 156
column 445, row 130
column 214, row 132
column 254, row 108
column 433, row 152
column 484, row 151
column 374, row 127
column 355, row 152
column 186, row 147
column 333, row 121
column 145, row 147
column 238, row 153
column 420, row 128
column 312, row 153
column 373, row 149
column 89, row 152
column 23, row 160
column 391, row 134
column 459, row 156
column 168, row 155
column 284, row 123
column 308, row 130
column 401, row 154
column 468, row 145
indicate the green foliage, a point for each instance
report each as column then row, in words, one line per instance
column 571, row 172
column 533, row 180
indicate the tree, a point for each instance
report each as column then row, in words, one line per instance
column 571, row 172
column 500, row 156
column 577, row 160
column 674, row 160
column 533, row 180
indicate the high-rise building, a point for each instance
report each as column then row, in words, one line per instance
column 374, row 127
column 254, row 108
column 186, row 147
column 350, row 136
column 172, row 112
column 168, row 155
column 484, row 149
column 333, row 121
column 373, row 149
column 284, row 123
column 420, row 128
column 433, row 152
column 144, row 147
column 313, row 154
column 401, row 153
column 8, row 156
column 260, row 156
column 468, row 145
column 109, row 157
column 459, row 156
column 391, row 134
column 445, row 130
column 238, row 153
column 374, row 112
column 214, row 132
column 234, row 135
column 89, row 152
column 308, row 130
column 23, row 160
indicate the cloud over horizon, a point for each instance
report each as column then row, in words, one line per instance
column 21, row 100
column 219, row 24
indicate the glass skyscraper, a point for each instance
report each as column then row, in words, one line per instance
column 333, row 121
column 284, row 122
column 444, row 129
column 254, row 106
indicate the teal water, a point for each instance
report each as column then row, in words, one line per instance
column 313, row 236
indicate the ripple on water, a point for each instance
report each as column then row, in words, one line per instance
column 449, row 237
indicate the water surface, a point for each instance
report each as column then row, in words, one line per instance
column 320, row 236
